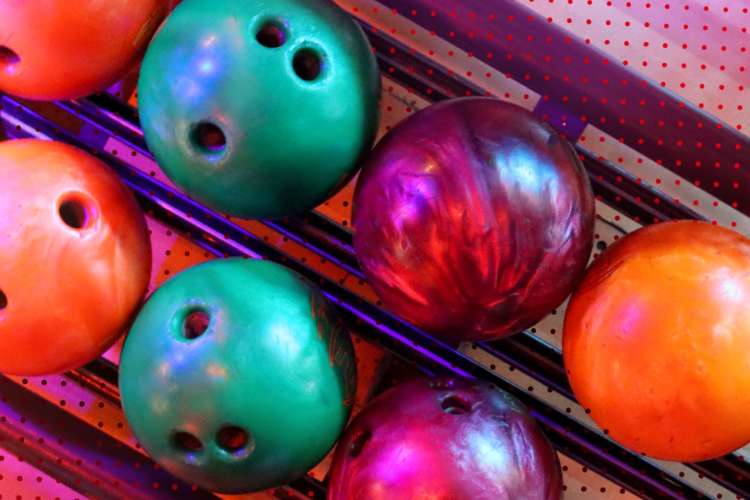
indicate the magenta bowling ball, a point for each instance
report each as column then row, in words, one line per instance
column 473, row 219
column 444, row 440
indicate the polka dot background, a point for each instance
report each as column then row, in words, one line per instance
column 695, row 50
column 20, row 480
column 698, row 50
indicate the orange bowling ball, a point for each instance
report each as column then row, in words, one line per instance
column 657, row 341
column 75, row 257
column 62, row 49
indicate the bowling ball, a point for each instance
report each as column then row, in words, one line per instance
column 75, row 257
column 54, row 49
column 444, row 440
column 656, row 341
column 472, row 219
column 236, row 376
column 258, row 108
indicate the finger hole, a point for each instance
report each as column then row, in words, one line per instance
column 307, row 64
column 272, row 34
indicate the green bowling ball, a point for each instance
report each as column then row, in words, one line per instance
column 259, row 108
column 236, row 377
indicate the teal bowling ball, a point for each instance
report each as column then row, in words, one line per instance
column 259, row 108
column 236, row 376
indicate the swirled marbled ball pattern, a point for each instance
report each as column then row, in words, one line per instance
column 445, row 439
column 473, row 219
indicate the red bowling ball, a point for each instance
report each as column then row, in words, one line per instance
column 64, row 49
column 75, row 257
column 444, row 440
column 473, row 219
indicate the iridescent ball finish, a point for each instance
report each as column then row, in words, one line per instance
column 444, row 440
column 473, row 219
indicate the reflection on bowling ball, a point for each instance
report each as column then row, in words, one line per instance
column 236, row 377
column 472, row 219
column 657, row 341
column 444, row 440
column 259, row 109
column 75, row 257
column 52, row 49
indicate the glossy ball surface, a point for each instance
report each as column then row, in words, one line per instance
column 236, row 377
column 75, row 257
column 259, row 108
column 656, row 341
column 63, row 49
column 444, row 440
column 472, row 219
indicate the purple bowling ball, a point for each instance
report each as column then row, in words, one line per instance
column 473, row 219
column 444, row 440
